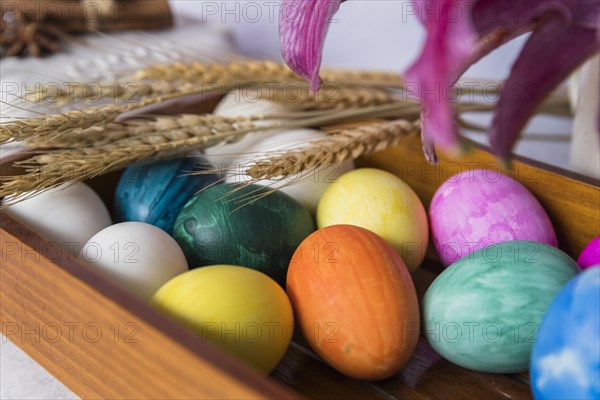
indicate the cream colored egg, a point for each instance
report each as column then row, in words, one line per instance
column 306, row 187
column 137, row 256
column 67, row 216
column 382, row 203
column 241, row 103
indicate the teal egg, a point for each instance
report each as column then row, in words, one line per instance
column 484, row 311
column 155, row 193
column 247, row 225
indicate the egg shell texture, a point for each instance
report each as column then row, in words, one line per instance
column 243, row 225
column 476, row 208
column 67, row 216
column 238, row 309
column 137, row 256
column 354, row 301
column 483, row 312
column 382, row 203
column 565, row 361
column 155, row 193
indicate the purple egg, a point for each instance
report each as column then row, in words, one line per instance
column 590, row 255
column 477, row 208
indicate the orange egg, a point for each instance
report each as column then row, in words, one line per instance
column 355, row 301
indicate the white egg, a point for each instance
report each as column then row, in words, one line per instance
column 67, row 216
column 307, row 187
column 137, row 256
column 241, row 103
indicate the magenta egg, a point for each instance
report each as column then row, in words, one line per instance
column 477, row 208
column 590, row 255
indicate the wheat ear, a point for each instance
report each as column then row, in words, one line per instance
column 52, row 168
column 339, row 146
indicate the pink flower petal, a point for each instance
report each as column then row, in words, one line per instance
column 450, row 41
column 552, row 52
column 303, row 26
column 565, row 35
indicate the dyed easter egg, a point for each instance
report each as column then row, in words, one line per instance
column 565, row 361
column 67, row 216
column 382, row 203
column 242, row 103
column 590, row 255
column 156, row 193
column 477, row 208
column 354, row 301
column 306, row 187
column 136, row 256
column 484, row 311
column 253, row 227
column 238, row 309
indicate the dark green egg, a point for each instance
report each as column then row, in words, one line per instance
column 243, row 225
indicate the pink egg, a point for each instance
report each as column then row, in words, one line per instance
column 590, row 255
column 476, row 208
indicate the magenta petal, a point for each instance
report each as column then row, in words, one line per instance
column 303, row 26
column 450, row 42
column 552, row 52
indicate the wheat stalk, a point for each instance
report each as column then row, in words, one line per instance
column 260, row 70
column 294, row 94
column 147, row 127
column 339, row 146
column 196, row 76
column 183, row 134
column 186, row 133
column 330, row 97
column 72, row 125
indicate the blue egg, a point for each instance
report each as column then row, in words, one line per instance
column 565, row 362
column 156, row 193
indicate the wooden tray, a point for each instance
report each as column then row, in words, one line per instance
column 103, row 343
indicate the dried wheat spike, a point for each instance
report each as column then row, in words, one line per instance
column 151, row 126
column 330, row 97
column 340, row 146
column 193, row 71
column 72, row 123
column 176, row 136
column 197, row 77
column 260, row 70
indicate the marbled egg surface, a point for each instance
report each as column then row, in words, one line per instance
column 476, row 208
column 155, row 193
column 590, row 255
column 67, row 216
column 243, row 225
column 484, row 311
column 307, row 187
column 382, row 203
column 565, row 361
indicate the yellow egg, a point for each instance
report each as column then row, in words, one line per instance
column 241, row 310
column 382, row 203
